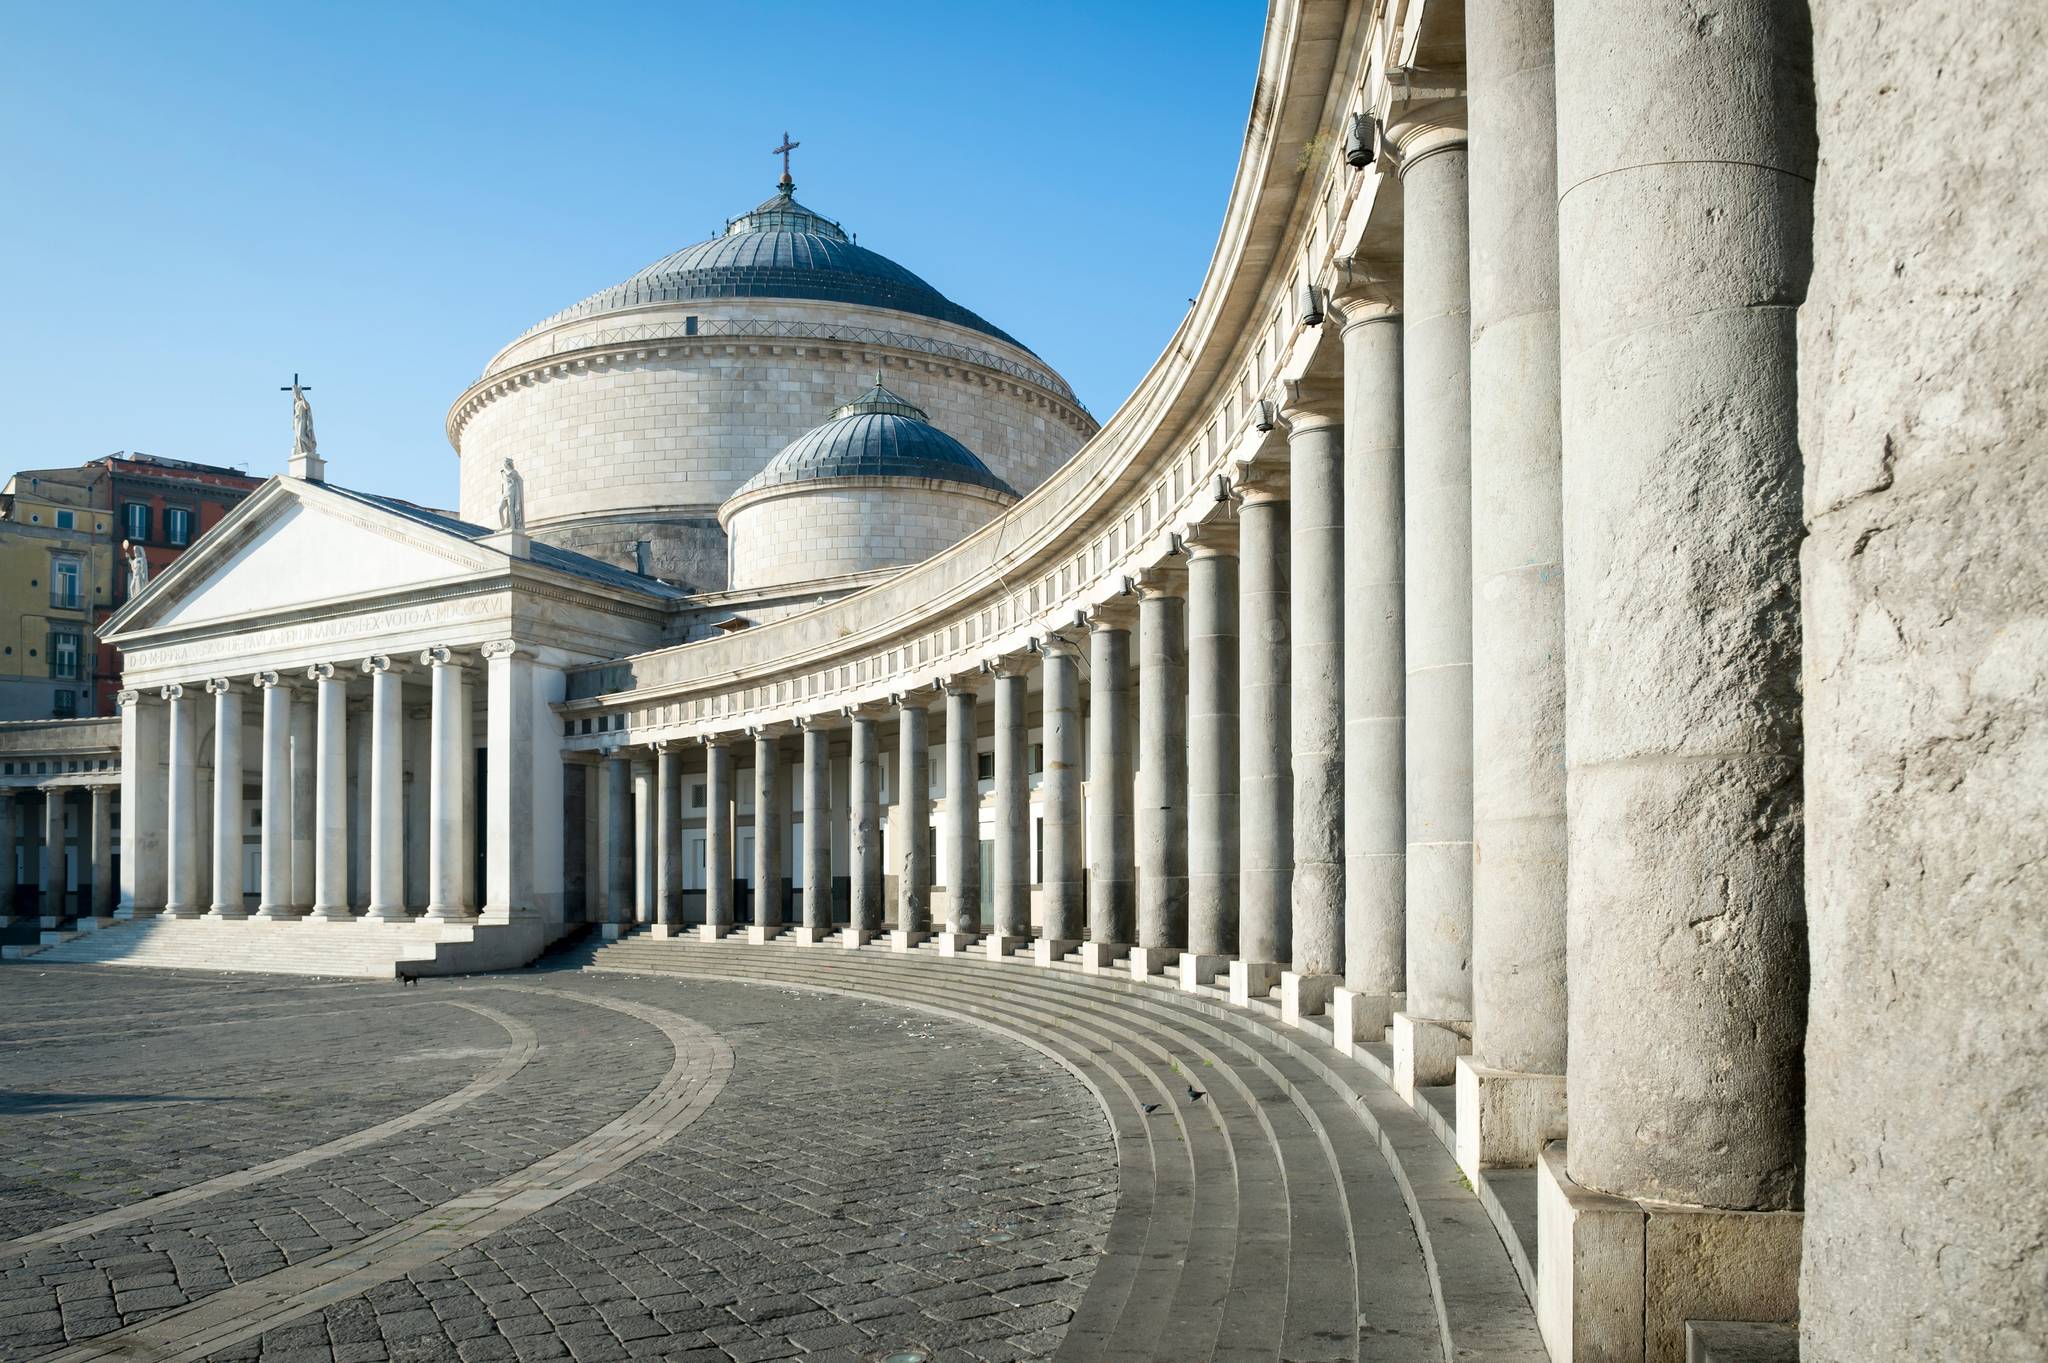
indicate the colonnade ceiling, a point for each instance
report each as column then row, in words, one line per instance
column 1163, row 463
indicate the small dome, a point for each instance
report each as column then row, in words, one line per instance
column 877, row 435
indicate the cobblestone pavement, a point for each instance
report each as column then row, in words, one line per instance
column 867, row 1180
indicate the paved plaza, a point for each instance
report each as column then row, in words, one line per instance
column 548, row 1165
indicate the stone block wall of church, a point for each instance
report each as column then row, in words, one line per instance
column 820, row 533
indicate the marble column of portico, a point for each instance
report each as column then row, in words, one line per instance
column 448, row 849
column 818, row 817
column 646, row 820
column 419, row 746
column 615, row 841
column 1161, row 816
column 1511, row 1088
column 54, row 806
column 961, row 823
column 771, row 827
column 361, row 760
column 914, row 823
column 1313, row 415
column 386, row 782
column 305, row 784
column 144, row 808
column 1432, row 1029
column 1264, row 742
column 668, row 839
column 1062, row 845
column 1109, row 806
column 181, row 823
column 228, row 811
column 1212, row 748
column 102, row 854
column 1011, row 872
column 864, row 840
column 330, row 797
column 8, row 882
column 274, row 859
column 1375, row 687
column 718, row 867
column 509, row 727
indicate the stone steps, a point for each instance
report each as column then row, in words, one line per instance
column 1318, row 1219
column 357, row 948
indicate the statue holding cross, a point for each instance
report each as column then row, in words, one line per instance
column 304, row 443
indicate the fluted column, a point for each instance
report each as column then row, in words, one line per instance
column 864, row 844
column 1162, row 782
column 228, row 811
column 510, row 720
column 818, row 815
column 448, row 848
column 1011, row 872
column 102, row 854
column 1264, row 741
column 386, row 779
column 1061, row 845
column 181, row 837
column 145, row 814
column 913, row 822
column 718, row 874
column 53, row 877
column 1112, row 829
column 770, row 826
column 330, row 798
column 305, row 784
column 274, row 897
column 1212, row 748
column 668, row 838
column 1375, row 687
column 615, row 838
column 962, row 823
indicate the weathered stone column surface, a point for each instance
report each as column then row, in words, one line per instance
column 1375, row 689
column 509, row 725
column 1112, row 872
column 1685, row 160
column 864, row 845
column 769, row 827
column 305, row 781
column 330, row 794
column 718, row 862
column 102, row 852
column 616, row 839
column 1265, row 778
column 144, row 797
column 1315, row 470
column 1437, row 536
column 818, row 816
column 1012, row 870
column 448, row 832
column 1212, row 738
column 646, row 894
column 227, row 799
column 1061, row 846
column 1162, row 806
column 54, row 802
column 1923, row 402
column 181, row 842
column 1518, row 764
column 387, row 790
column 963, row 815
column 274, row 860
column 668, row 835
column 913, row 816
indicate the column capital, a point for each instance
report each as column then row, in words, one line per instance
column 175, row 691
column 127, row 699
column 717, row 741
column 768, row 733
column 1053, row 645
column 504, row 648
column 320, row 672
column 1425, row 127
column 963, row 684
column 1257, row 483
column 381, row 664
column 1213, row 537
column 1117, row 613
column 1168, row 577
column 440, row 655
column 1312, row 404
column 1366, row 290
column 819, row 722
column 865, row 712
column 268, row 679
column 1008, row 665
column 219, row 686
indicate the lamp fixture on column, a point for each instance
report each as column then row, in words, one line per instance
column 1361, row 143
column 1311, row 305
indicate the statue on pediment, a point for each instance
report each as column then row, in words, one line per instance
column 511, row 498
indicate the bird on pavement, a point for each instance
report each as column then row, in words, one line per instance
column 1194, row 1094
column 1151, row 1108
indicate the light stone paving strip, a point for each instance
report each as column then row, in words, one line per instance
column 525, row 1045
column 703, row 1061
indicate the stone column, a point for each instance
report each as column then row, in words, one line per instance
column 330, row 799
column 1375, row 686
column 274, row 897
column 102, row 854
column 9, row 880
column 53, row 856
column 305, row 781
column 1061, row 846
column 864, row 848
column 817, row 924
column 1111, row 796
column 145, row 885
column 181, row 842
column 769, row 829
column 1511, row 1088
column 361, row 759
column 1162, row 803
column 668, row 839
column 646, row 818
column 419, row 761
column 1437, row 530
column 448, row 847
column 228, row 811
column 718, row 878
column 914, row 822
column 1212, row 748
column 509, row 721
column 1315, row 555
column 1264, row 741
column 1684, row 249
column 1011, row 888
column 386, row 779
column 962, row 825
column 615, row 827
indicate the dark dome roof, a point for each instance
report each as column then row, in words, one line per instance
column 782, row 250
column 877, row 435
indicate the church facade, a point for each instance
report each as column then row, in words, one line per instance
column 1562, row 613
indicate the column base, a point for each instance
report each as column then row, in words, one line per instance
column 853, row 939
column 1098, row 958
column 1305, row 996
column 387, row 913
column 903, row 939
column 97, row 924
column 1617, row 1279
column 611, row 932
column 449, row 913
column 712, row 932
column 278, row 913
column 1050, row 951
column 668, row 931
column 331, row 913
column 999, row 946
column 1146, row 962
column 1201, row 972
column 809, row 937
column 1426, row 1052
column 227, row 912
column 1505, row 1117
column 953, row 942
column 1251, row 980
column 184, row 911
column 760, row 933
column 1356, row 1018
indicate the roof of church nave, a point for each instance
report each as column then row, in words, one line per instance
column 877, row 435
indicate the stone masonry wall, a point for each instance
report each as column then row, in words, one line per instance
column 824, row 532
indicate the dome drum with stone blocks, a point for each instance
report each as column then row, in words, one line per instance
column 877, row 486
column 635, row 414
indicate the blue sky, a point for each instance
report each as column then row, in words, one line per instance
column 201, row 199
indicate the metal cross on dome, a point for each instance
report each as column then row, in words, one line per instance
column 783, row 151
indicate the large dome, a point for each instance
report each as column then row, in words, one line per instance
column 781, row 250
column 877, row 435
